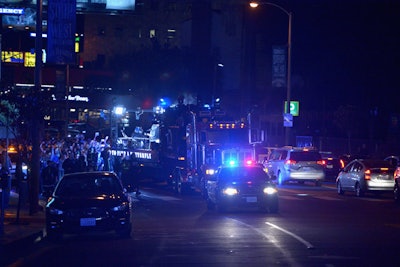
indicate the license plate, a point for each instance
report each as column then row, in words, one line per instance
column 88, row 221
column 329, row 166
column 383, row 177
column 251, row 199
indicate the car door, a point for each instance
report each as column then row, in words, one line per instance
column 270, row 162
column 345, row 176
column 355, row 174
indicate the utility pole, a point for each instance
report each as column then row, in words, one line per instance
column 36, row 120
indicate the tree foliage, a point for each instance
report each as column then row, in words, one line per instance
column 9, row 115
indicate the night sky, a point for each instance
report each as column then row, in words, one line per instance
column 344, row 52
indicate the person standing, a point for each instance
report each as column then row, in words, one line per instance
column 49, row 178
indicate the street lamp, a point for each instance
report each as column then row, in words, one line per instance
column 255, row 4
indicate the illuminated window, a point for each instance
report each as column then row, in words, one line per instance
column 171, row 33
column 30, row 58
column 152, row 33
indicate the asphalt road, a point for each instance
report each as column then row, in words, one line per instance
column 315, row 227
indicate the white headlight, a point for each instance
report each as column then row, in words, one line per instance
column 230, row 191
column 270, row 190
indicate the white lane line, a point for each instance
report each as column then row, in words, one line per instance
column 284, row 252
column 306, row 243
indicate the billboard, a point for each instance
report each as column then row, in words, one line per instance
column 61, row 28
column 81, row 5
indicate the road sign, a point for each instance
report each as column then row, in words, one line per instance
column 294, row 108
column 287, row 120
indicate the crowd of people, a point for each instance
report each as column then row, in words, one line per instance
column 80, row 154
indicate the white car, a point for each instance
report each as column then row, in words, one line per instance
column 295, row 164
column 366, row 175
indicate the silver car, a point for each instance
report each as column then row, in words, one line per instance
column 295, row 164
column 366, row 175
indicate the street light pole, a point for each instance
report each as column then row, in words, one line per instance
column 255, row 4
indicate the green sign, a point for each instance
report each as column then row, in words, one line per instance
column 294, row 108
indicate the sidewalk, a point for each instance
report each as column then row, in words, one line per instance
column 24, row 230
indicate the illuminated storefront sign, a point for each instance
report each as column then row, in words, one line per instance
column 11, row 11
column 126, row 153
column 30, row 58
column 78, row 98
column 12, row 57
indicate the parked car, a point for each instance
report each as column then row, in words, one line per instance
column 88, row 201
column 366, row 175
column 295, row 164
column 332, row 164
column 242, row 186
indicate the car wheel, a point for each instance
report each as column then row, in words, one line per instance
column 280, row 178
column 221, row 208
column 317, row 183
column 273, row 207
column 340, row 190
column 210, row 205
column 396, row 192
column 53, row 235
column 359, row 191
column 182, row 188
column 125, row 232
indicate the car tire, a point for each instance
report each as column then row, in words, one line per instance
column 53, row 235
column 280, row 178
column 125, row 232
column 358, row 190
column 339, row 187
column 396, row 192
column 221, row 208
column 210, row 205
column 273, row 207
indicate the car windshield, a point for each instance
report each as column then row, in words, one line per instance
column 305, row 156
column 81, row 185
column 229, row 174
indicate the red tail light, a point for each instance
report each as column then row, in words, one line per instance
column 397, row 173
column 321, row 162
column 290, row 161
column 342, row 164
column 367, row 174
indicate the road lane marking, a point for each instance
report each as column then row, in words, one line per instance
column 285, row 252
column 303, row 241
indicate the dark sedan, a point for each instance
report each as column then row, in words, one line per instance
column 88, row 201
column 242, row 186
